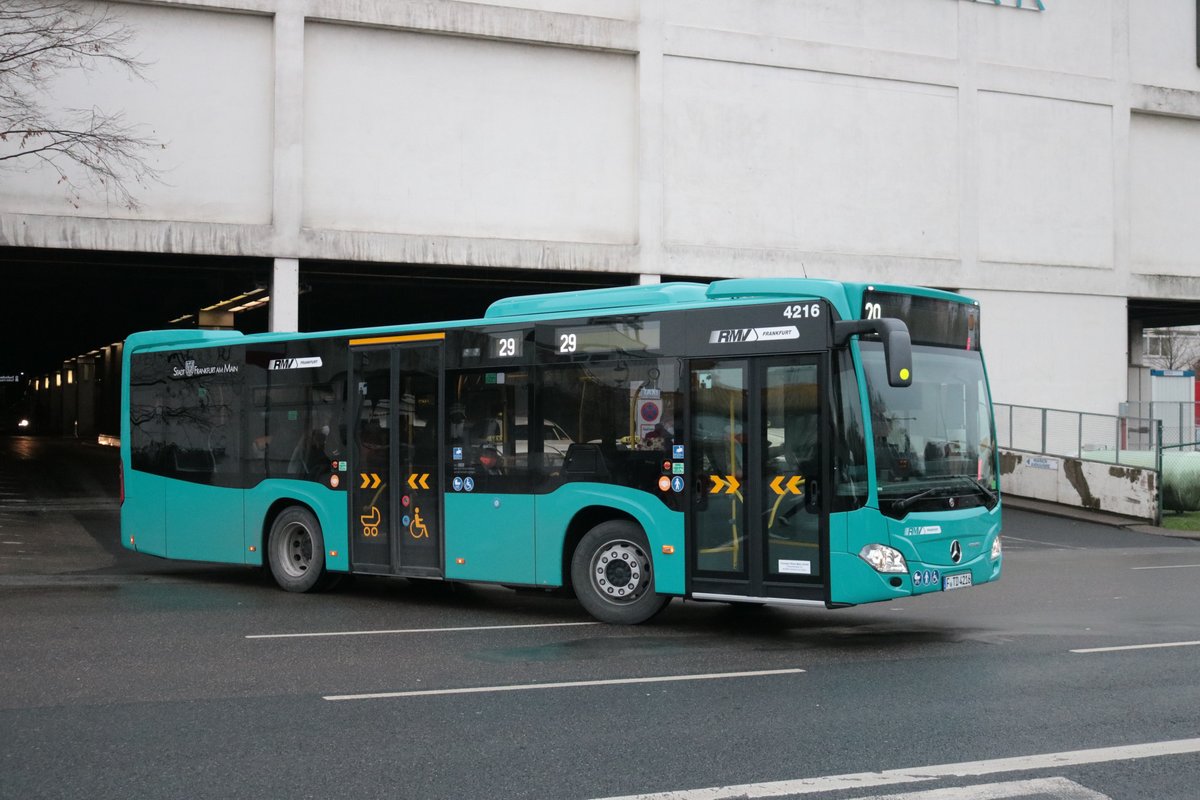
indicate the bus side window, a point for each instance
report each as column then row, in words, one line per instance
column 850, row 447
column 200, row 420
column 615, row 422
column 488, row 435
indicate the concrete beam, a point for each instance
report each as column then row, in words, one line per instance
column 285, row 295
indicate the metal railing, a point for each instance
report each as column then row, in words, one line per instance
column 1112, row 439
column 1179, row 428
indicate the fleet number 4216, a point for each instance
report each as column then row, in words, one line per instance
column 803, row 311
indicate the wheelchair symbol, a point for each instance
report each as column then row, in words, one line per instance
column 417, row 529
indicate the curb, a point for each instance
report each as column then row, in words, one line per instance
column 1097, row 517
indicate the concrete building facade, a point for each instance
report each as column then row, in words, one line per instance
column 1043, row 157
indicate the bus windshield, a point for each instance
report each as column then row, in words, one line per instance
column 934, row 441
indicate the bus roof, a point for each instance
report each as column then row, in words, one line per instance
column 615, row 300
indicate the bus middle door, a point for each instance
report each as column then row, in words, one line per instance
column 395, row 500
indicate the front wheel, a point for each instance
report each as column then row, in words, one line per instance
column 614, row 576
column 296, row 551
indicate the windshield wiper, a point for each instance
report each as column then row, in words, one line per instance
column 905, row 502
column 978, row 484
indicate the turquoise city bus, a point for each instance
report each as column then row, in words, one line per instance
column 785, row 441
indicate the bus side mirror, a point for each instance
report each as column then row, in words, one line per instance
column 897, row 346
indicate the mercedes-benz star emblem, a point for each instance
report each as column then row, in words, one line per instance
column 955, row 551
column 951, row 502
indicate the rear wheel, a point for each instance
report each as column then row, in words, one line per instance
column 613, row 574
column 296, row 551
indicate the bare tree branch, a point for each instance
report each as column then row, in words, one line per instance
column 1178, row 348
column 39, row 39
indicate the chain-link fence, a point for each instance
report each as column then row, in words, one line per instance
column 1129, row 440
column 1179, row 429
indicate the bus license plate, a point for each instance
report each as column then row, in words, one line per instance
column 960, row 581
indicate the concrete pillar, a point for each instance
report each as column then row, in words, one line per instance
column 68, row 409
column 285, row 295
column 651, row 256
column 968, row 146
column 85, row 398
column 287, row 208
column 288, row 158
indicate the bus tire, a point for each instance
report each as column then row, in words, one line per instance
column 296, row 551
column 613, row 576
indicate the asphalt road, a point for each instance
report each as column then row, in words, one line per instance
column 125, row 676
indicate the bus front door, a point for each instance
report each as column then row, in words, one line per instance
column 758, row 520
column 395, row 500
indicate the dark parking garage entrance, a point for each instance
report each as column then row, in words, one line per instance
column 69, row 311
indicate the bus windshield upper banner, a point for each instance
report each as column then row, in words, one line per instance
column 947, row 323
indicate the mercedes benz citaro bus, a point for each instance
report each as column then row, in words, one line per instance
column 785, row 441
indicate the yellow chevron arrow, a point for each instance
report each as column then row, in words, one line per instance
column 775, row 484
column 718, row 483
column 793, row 485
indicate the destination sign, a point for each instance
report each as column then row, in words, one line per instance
column 510, row 344
column 634, row 336
column 948, row 323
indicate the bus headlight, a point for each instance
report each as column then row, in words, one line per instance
column 883, row 558
column 996, row 548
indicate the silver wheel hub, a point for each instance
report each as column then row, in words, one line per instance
column 296, row 550
column 620, row 572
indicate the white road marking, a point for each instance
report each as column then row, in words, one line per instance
column 1053, row 545
column 522, row 687
column 419, row 630
column 1056, row 788
column 891, row 777
column 1135, row 647
column 1170, row 566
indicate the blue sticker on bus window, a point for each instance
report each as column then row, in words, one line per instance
column 676, row 451
column 457, row 483
column 405, row 520
column 457, row 453
column 677, row 483
column 469, row 484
